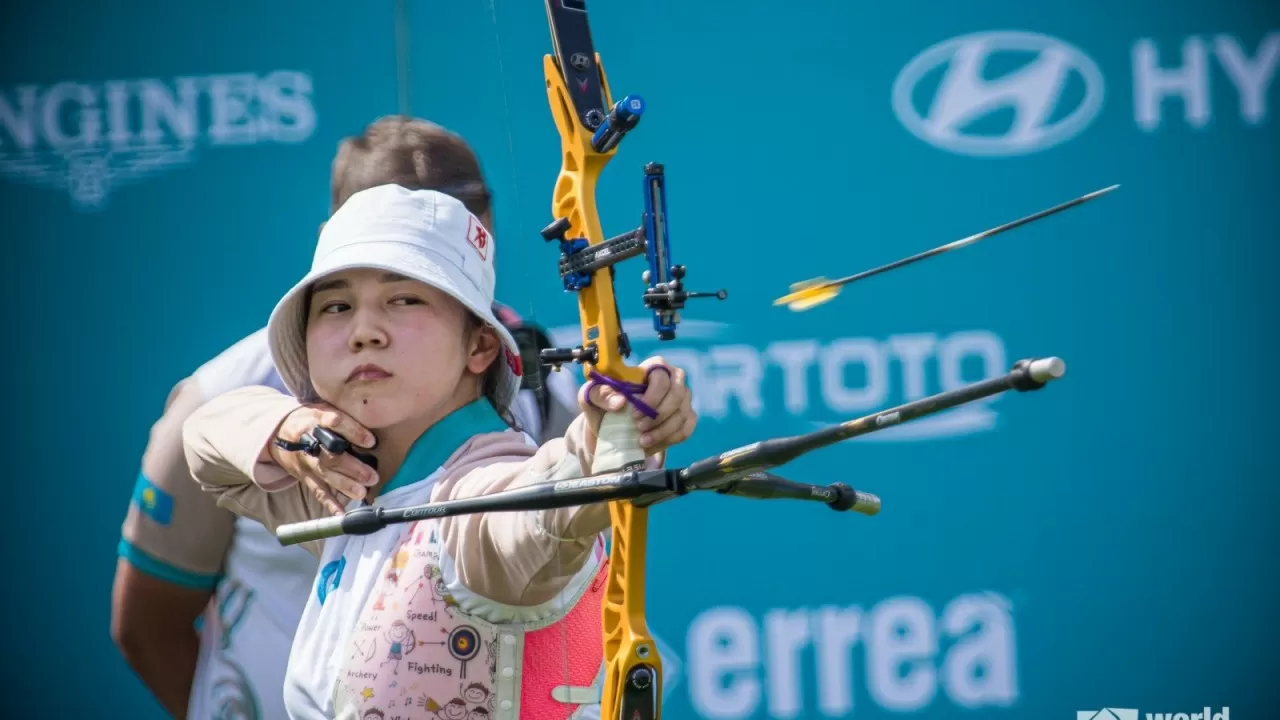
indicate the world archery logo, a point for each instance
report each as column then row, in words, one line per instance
column 90, row 139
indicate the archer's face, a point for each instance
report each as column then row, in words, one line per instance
column 386, row 349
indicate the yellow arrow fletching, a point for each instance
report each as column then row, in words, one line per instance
column 808, row 294
column 802, row 305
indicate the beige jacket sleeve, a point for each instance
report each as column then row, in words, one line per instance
column 524, row 558
column 520, row 559
column 223, row 442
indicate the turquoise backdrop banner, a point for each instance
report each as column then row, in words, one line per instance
column 1107, row 542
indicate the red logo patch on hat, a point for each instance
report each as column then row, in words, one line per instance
column 513, row 361
column 478, row 237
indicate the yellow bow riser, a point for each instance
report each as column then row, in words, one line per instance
column 627, row 643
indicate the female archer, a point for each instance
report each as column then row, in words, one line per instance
column 393, row 330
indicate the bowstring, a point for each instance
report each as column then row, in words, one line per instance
column 540, row 389
column 403, row 74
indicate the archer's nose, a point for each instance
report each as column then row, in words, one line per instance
column 367, row 334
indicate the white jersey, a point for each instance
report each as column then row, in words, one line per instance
column 250, row 625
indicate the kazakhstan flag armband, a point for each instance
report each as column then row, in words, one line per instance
column 152, row 501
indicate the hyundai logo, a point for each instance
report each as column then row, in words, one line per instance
column 1044, row 92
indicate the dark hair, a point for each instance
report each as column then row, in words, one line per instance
column 413, row 153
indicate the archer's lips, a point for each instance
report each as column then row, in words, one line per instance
column 368, row 373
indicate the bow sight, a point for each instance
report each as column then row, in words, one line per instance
column 664, row 295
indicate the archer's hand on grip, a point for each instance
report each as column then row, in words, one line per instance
column 661, row 412
column 300, row 449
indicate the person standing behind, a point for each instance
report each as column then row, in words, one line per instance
column 183, row 561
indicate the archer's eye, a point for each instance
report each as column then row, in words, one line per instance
column 334, row 307
column 408, row 300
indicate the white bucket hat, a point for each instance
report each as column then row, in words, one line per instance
column 421, row 234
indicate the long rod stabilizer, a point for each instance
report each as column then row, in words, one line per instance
column 742, row 472
column 811, row 293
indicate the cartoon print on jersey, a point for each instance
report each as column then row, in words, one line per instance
column 403, row 614
column 428, row 579
column 442, row 595
column 492, row 647
column 464, row 646
column 391, row 580
column 455, row 709
column 421, row 535
column 365, row 650
column 398, row 561
column 476, row 693
column 373, row 714
column 446, row 671
column 402, row 641
column 433, row 581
